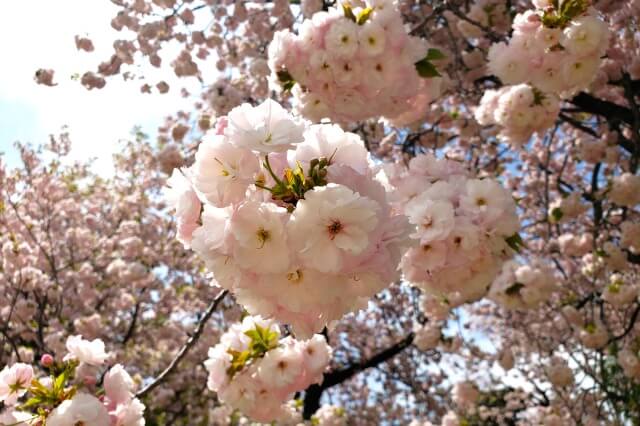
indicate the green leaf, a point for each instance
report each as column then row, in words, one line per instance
column 31, row 402
column 434, row 55
column 538, row 96
column 557, row 214
column 552, row 19
column 514, row 289
column 288, row 86
column 38, row 389
column 239, row 359
column 252, row 334
column 563, row 13
column 283, row 76
column 426, row 69
column 286, row 80
column 570, row 9
column 59, row 382
column 262, row 340
column 424, row 66
column 614, row 287
column 515, row 242
column 364, row 15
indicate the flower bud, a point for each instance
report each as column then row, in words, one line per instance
column 46, row 360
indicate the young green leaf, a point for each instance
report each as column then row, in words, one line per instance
column 364, row 15
column 426, row 69
column 434, row 55
column 515, row 242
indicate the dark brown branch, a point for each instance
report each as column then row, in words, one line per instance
column 132, row 326
column 630, row 326
column 609, row 110
column 193, row 339
column 333, row 378
column 578, row 125
column 632, row 257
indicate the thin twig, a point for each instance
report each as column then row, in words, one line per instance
column 186, row 347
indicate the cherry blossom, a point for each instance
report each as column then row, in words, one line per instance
column 14, row 382
column 352, row 64
column 252, row 369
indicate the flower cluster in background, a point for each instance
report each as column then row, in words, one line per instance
column 463, row 228
column 519, row 110
column 556, row 49
column 255, row 371
column 351, row 64
column 554, row 52
column 70, row 394
column 523, row 286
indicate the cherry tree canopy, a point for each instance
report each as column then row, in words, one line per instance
column 380, row 212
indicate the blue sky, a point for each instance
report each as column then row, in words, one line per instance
column 97, row 118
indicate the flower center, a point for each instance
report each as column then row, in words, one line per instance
column 263, row 236
column 428, row 221
column 334, row 228
column 295, row 276
column 223, row 169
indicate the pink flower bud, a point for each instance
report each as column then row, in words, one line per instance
column 46, row 360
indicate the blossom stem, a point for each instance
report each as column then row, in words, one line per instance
column 267, row 166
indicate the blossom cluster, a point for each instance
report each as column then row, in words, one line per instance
column 255, row 371
column 465, row 394
column 559, row 372
column 330, row 415
column 565, row 208
column 356, row 63
column 625, row 190
column 519, row 110
column 620, row 291
column 522, row 286
column 427, row 336
column 288, row 216
column 629, row 360
column 68, row 396
column 487, row 13
column 464, row 228
column 557, row 49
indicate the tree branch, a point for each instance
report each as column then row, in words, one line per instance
column 186, row 347
column 630, row 326
column 609, row 110
column 333, row 378
column 134, row 317
column 578, row 125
